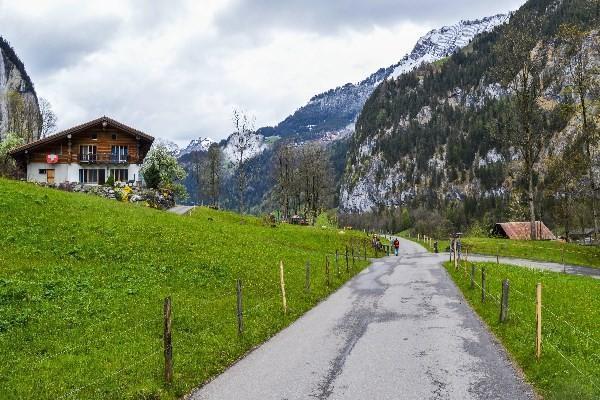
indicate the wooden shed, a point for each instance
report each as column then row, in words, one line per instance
column 522, row 230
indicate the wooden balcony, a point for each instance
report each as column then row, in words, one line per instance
column 105, row 158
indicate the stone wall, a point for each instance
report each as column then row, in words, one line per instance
column 155, row 198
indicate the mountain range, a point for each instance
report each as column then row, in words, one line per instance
column 331, row 116
column 427, row 138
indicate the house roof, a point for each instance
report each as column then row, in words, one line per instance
column 78, row 128
column 522, row 230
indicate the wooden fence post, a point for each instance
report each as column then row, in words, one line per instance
column 282, row 283
column 455, row 256
column 504, row 301
column 240, row 310
column 307, row 281
column 472, row 276
column 483, row 284
column 168, row 345
column 538, row 321
column 327, row 270
column 347, row 266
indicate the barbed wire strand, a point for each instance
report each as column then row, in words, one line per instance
column 570, row 362
column 513, row 313
column 105, row 377
column 88, row 342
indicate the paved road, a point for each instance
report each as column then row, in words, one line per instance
column 398, row 330
column 550, row 266
column 181, row 210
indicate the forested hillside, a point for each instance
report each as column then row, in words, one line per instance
column 329, row 117
column 440, row 136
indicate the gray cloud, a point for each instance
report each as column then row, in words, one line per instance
column 329, row 17
column 48, row 46
column 176, row 69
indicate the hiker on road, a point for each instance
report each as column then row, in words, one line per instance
column 396, row 246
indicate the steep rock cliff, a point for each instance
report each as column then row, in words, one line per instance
column 15, row 87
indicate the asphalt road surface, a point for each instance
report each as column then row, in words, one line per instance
column 181, row 210
column 550, row 266
column 398, row 330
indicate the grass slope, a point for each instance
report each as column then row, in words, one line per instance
column 570, row 317
column 82, row 283
column 552, row 251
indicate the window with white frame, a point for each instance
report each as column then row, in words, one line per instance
column 87, row 153
column 119, row 153
column 88, row 175
column 120, row 175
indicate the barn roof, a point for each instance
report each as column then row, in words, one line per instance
column 76, row 129
column 522, row 230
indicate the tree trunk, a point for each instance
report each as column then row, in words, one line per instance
column 588, row 151
column 533, row 233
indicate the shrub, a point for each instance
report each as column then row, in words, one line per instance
column 110, row 181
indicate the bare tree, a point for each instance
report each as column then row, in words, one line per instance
column 579, row 71
column 523, row 126
column 242, row 139
column 212, row 173
column 23, row 118
column 47, row 118
column 284, row 175
column 565, row 183
column 197, row 167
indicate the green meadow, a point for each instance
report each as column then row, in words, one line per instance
column 83, row 280
column 569, row 367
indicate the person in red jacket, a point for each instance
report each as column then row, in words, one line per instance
column 396, row 246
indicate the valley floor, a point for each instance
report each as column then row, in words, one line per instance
column 400, row 329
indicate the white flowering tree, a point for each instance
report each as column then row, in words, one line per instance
column 162, row 170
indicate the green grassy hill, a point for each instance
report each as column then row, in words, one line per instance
column 82, row 283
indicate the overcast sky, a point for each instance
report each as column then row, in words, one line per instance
column 177, row 69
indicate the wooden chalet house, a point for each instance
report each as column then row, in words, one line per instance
column 88, row 153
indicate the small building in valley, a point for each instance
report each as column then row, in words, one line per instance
column 89, row 153
column 522, row 231
column 585, row 235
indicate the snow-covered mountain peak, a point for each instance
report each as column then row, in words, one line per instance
column 329, row 113
column 442, row 42
column 200, row 144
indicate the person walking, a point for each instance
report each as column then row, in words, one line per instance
column 396, row 246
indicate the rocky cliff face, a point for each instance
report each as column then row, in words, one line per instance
column 330, row 117
column 14, row 81
column 425, row 136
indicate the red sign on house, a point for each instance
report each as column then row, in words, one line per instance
column 52, row 158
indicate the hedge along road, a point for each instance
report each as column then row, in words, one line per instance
column 398, row 330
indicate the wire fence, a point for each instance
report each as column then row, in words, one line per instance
column 263, row 309
column 500, row 250
column 548, row 312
